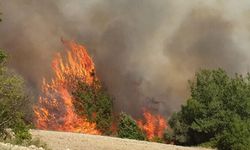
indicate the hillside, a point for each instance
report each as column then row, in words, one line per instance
column 77, row 141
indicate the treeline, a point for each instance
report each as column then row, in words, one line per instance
column 217, row 113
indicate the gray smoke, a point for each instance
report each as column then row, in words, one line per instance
column 145, row 51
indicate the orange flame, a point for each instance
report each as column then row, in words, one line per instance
column 55, row 110
column 153, row 126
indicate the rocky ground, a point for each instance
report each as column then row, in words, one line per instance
column 7, row 146
column 76, row 141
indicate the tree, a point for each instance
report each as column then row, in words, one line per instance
column 218, row 108
column 236, row 137
column 13, row 98
column 94, row 102
column 128, row 128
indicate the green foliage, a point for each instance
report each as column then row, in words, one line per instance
column 3, row 57
column 168, row 135
column 157, row 140
column 13, row 99
column 96, row 104
column 21, row 131
column 217, row 113
column 236, row 137
column 180, row 129
column 128, row 128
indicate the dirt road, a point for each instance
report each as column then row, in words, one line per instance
column 76, row 141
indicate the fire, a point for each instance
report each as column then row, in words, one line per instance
column 55, row 110
column 153, row 125
column 55, row 107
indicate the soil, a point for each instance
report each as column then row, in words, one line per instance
column 76, row 141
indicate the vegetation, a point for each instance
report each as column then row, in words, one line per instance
column 157, row 140
column 94, row 102
column 128, row 128
column 14, row 103
column 217, row 114
column 13, row 99
column 168, row 135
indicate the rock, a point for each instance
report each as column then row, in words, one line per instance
column 9, row 134
column 33, row 147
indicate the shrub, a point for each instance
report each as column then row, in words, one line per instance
column 13, row 100
column 128, row 128
column 21, row 131
column 94, row 102
column 168, row 136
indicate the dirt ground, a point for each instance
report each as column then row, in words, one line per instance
column 77, row 141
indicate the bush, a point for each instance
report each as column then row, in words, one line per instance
column 94, row 102
column 21, row 131
column 217, row 113
column 13, row 100
column 128, row 128
column 168, row 136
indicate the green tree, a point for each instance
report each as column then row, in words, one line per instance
column 218, row 108
column 236, row 137
column 128, row 128
column 13, row 100
column 94, row 102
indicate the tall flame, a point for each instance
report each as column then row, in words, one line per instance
column 55, row 110
column 153, row 125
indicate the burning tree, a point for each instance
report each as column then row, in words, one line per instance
column 55, row 109
column 93, row 102
column 75, row 101
column 153, row 125
column 128, row 128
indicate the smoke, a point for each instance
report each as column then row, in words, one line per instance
column 145, row 51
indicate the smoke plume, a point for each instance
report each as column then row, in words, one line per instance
column 145, row 51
